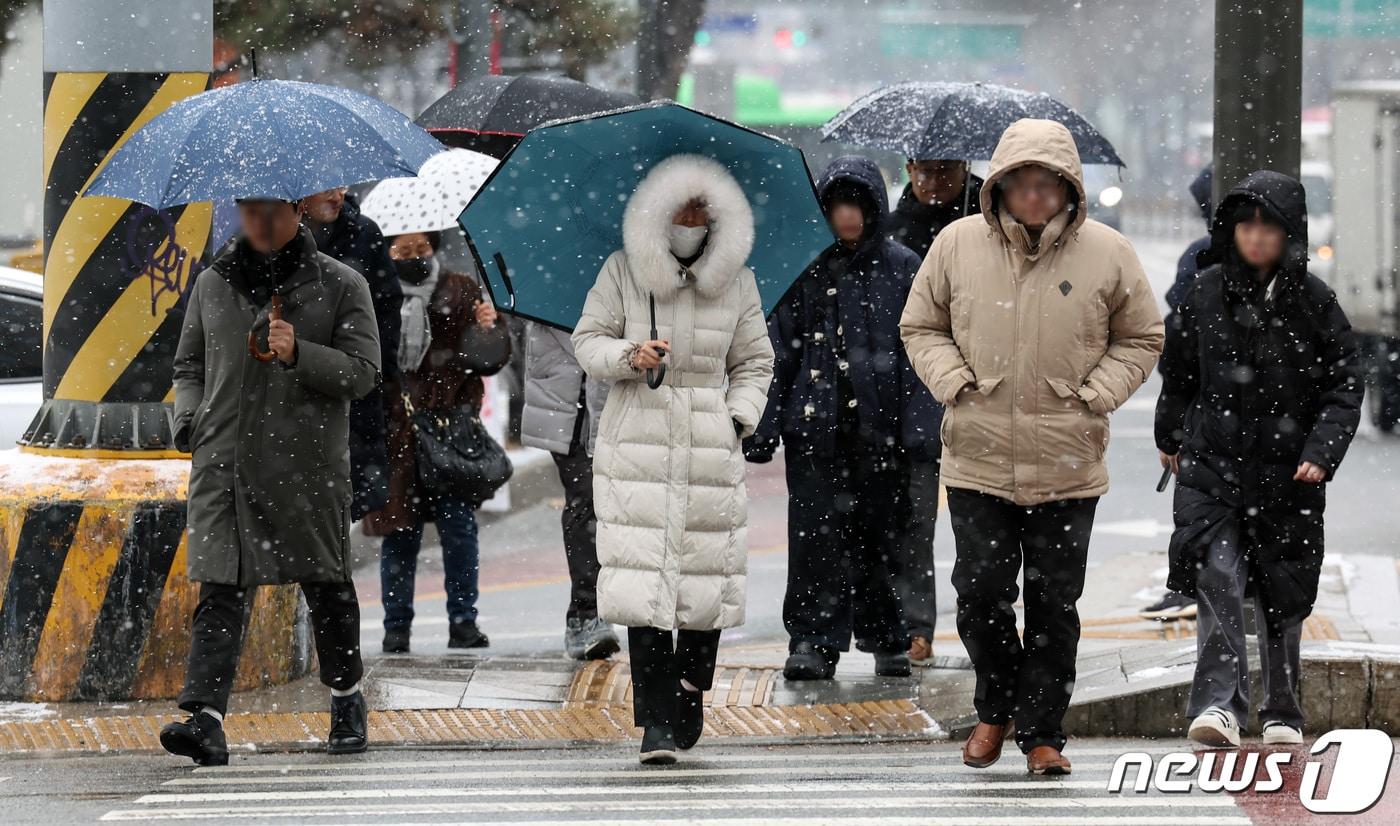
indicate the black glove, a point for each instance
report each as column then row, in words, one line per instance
column 738, row 427
column 759, row 451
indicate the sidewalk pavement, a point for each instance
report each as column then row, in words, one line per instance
column 1133, row 678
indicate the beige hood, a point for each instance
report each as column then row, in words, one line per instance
column 1041, row 142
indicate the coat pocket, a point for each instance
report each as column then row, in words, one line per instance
column 964, row 428
column 1084, row 431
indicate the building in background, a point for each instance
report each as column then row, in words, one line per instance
column 21, row 135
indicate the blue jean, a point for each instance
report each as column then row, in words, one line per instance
column 398, row 564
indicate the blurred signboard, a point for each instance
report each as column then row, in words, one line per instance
column 1351, row 18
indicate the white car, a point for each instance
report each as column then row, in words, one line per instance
column 22, row 352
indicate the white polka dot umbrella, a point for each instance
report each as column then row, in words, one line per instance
column 431, row 201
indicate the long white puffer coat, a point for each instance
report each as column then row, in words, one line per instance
column 668, row 473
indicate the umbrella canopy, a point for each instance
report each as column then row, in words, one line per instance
column 491, row 112
column 552, row 212
column 263, row 139
column 432, row 200
column 955, row 121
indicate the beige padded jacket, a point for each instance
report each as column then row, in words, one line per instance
column 1030, row 350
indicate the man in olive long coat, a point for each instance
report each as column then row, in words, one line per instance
column 269, row 492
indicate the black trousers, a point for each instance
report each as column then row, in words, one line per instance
column 1030, row 677
column 580, row 531
column 216, row 640
column 912, row 565
column 843, row 530
column 659, row 663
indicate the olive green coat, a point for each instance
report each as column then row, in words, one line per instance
column 269, row 493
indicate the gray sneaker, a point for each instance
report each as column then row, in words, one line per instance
column 575, row 638
column 600, row 640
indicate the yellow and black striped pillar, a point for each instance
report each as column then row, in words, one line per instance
column 94, row 598
column 115, row 272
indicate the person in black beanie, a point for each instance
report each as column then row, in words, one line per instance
column 846, row 404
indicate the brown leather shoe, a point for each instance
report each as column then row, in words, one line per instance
column 920, row 651
column 983, row 746
column 1046, row 760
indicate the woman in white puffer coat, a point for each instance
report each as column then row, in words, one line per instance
column 668, row 471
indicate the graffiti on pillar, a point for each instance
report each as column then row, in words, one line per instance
column 153, row 253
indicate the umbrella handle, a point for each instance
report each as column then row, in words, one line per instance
column 505, row 277
column 274, row 313
column 657, row 376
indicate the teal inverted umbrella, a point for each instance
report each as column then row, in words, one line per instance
column 551, row 213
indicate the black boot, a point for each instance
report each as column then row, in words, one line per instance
column 349, row 725
column 396, row 640
column 658, row 746
column 465, row 634
column 690, row 717
column 200, row 738
column 809, row 661
column 892, row 664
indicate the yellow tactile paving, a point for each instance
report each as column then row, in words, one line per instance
column 301, row 730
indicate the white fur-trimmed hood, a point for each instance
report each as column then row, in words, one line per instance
column 665, row 189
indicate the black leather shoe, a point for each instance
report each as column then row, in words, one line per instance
column 349, row 725
column 396, row 640
column 892, row 664
column 658, row 746
column 809, row 661
column 690, row 717
column 200, row 738
column 466, row 635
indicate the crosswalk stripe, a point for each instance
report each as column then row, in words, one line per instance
column 480, row 775
column 882, row 820
column 648, row 788
column 689, row 804
column 890, row 753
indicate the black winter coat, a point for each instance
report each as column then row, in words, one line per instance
column 355, row 240
column 1256, row 381
column 893, row 408
column 915, row 224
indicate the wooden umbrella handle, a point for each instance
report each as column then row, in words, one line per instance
column 274, row 313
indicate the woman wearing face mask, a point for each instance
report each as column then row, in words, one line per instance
column 1261, row 395
column 449, row 339
column 668, row 472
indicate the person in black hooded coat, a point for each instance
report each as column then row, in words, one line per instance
column 848, row 406
column 350, row 237
column 1172, row 605
column 1261, row 396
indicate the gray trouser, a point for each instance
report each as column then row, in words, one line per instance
column 1222, row 662
column 912, row 569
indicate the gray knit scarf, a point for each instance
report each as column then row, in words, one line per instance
column 416, row 333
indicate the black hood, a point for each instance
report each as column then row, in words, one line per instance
column 1279, row 195
column 1200, row 191
column 863, row 175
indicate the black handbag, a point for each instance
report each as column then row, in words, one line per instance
column 456, row 457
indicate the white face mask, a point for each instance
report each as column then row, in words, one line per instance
column 685, row 241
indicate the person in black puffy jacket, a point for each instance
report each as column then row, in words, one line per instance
column 1261, row 396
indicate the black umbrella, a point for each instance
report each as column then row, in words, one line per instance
column 491, row 113
column 955, row 121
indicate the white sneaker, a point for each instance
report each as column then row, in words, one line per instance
column 1281, row 734
column 1216, row 728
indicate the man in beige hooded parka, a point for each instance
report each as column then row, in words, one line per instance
column 1032, row 324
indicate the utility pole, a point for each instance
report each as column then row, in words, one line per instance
column 1258, row 89
column 472, row 37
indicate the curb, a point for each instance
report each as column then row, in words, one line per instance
column 1343, row 685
